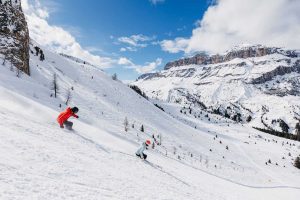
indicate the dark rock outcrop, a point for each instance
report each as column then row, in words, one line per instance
column 149, row 76
column 246, row 52
column 14, row 35
column 281, row 70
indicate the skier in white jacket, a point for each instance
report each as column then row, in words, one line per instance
column 143, row 147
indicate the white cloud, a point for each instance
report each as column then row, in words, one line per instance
column 125, row 61
column 154, row 2
column 135, row 42
column 229, row 22
column 123, row 49
column 57, row 38
column 141, row 69
column 149, row 67
column 181, row 28
column 94, row 49
column 179, row 44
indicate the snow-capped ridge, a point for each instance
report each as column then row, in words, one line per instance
column 236, row 52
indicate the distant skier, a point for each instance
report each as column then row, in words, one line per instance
column 63, row 117
column 143, row 147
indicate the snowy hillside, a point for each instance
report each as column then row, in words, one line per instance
column 255, row 84
column 197, row 159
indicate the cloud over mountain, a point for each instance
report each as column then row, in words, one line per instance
column 229, row 22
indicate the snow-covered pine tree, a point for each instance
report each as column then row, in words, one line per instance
column 114, row 77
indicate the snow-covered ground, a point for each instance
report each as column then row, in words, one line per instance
column 96, row 160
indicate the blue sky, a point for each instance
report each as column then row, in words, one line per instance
column 97, row 25
column 131, row 37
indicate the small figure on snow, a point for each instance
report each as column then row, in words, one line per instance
column 63, row 117
column 143, row 147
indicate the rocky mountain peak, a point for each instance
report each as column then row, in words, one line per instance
column 236, row 52
column 14, row 35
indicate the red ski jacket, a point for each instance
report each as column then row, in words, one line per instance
column 64, row 116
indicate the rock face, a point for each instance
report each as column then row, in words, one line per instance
column 257, row 85
column 246, row 52
column 14, row 35
column 279, row 71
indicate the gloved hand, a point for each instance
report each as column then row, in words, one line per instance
column 77, row 117
column 61, row 126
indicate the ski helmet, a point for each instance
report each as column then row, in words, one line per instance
column 148, row 142
column 75, row 110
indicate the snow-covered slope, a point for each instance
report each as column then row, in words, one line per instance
column 96, row 161
column 253, row 83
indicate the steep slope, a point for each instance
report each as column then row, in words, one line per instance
column 42, row 161
column 252, row 83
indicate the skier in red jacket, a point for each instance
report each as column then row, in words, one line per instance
column 63, row 117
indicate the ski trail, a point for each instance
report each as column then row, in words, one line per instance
column 231, row 181
column 87, row 140
column 157, row 167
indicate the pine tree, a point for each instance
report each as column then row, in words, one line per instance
column 142, row 128
column 284, row 126
column 297, row 128
column 114, row 77
column 297, row 162
column 269, row 161
column 226, row 114
column 249, row 118
column 42, row 56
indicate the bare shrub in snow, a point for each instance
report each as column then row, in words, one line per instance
column 54, row 85
column 68, row 97
column 126, row 124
